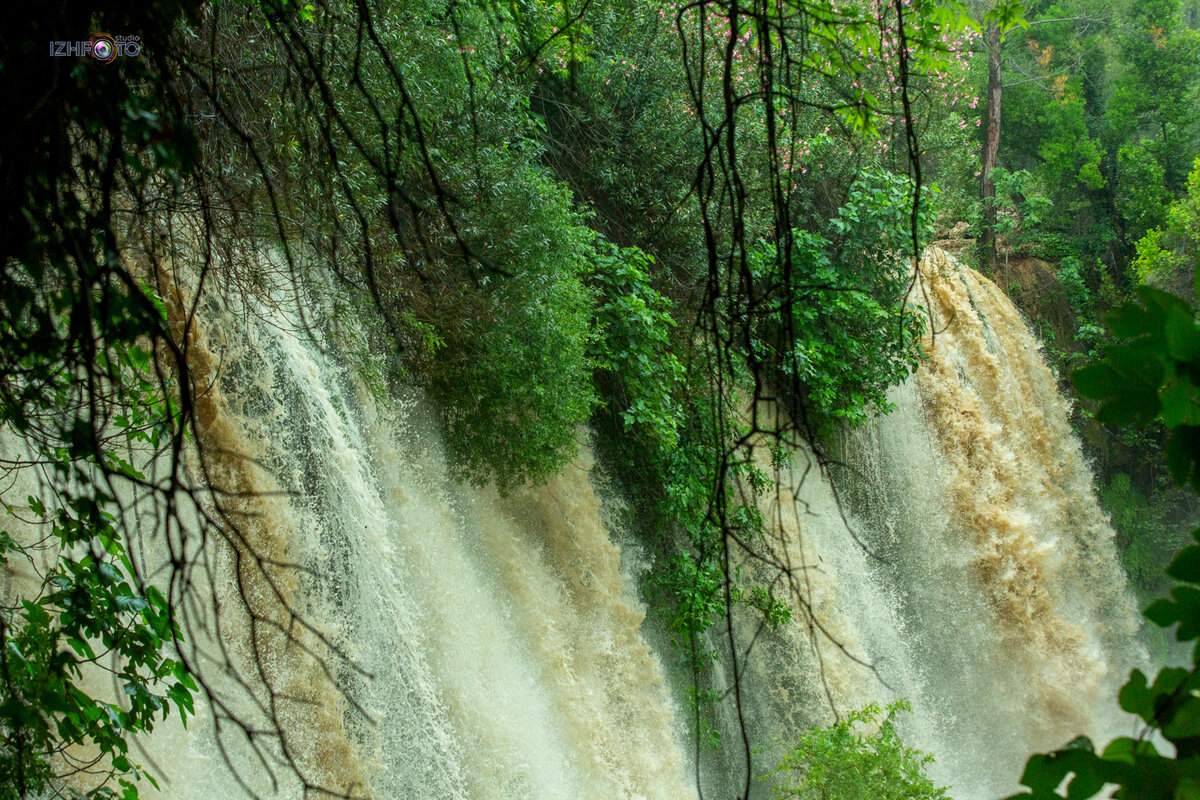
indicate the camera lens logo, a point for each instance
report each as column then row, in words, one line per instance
column 104, row 48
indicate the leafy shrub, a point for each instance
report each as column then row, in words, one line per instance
column 635, row 344
column 851, row 333
column 1068, row 153
column 1022, row 205
column 89, row 611
column 842, row 762
column 656, row 432
column 663, row 442
column 1165, row 255
column 514, row 377
column 1141, row 197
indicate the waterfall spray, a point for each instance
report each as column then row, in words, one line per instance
column 461, row 644
column 977, row 575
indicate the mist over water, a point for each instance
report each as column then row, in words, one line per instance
column 492, row 647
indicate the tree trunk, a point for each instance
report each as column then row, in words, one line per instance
column 991, row 147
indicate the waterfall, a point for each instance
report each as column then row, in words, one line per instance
column 468, row 645
column 974, row 573
column 490, row 642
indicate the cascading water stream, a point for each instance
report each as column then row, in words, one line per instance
column 491, row 641
column 494, row 645
column 977, row 574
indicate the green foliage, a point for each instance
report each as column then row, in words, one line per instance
column 666, row 428
column 1156, row 96
column 1170, row 253
column 665, row 434
column 420, row 177
column 1141, row 523
column 1102, row 111
column 860, row 756
column 619, row 132
column 646, row 386
column 851, row 335
column 82, row 389
column 1070, row 157
column 1007, row 15
column 1021, row 203
column 1141, row 197
column 1078, row 280
column 88, row 605
column 846, row 40
column 514, row 378
column 637, row 344
column 690, row 579
column 1152, row 373
column 88, row 613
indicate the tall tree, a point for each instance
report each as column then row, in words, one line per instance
column 991, row 145
column 995, row 17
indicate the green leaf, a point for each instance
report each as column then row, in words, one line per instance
column 1097, row 381
column 1161, row 304
column 1185, row 721
column 1178, row 404
column 1133, row 407
column 1132, row 364
column 1188, row 789
column 130, row 603
column 1187, row 599
column 1162, row 613
column 108, row 572
column 1043, row 773
column 1130, row 321
column 1186, row 565
column 1183, row 336
column 1087, row 781
column 1125, row 749
column 81, row 647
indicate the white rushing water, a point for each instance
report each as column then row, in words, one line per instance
column 491, row 642
column 977, row 575
column 492, row 648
